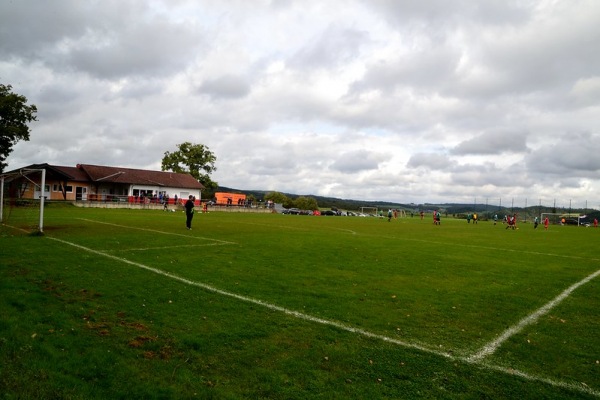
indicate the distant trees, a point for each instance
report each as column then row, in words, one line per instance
column 15, row 114
column 277, row 197
column 301, row 202
column 306, row 203
column 194, row 159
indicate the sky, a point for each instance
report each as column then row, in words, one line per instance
column 429, row 101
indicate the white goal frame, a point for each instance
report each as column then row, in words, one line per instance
column 362, row 210
column 23, row 173
column 559, row 216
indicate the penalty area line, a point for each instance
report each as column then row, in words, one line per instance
column 155, row 231
column 165, row 247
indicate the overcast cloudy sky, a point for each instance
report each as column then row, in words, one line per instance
column 408, row 101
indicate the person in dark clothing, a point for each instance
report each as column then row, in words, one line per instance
column 189, row 212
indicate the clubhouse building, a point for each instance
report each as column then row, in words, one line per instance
column 98, row 183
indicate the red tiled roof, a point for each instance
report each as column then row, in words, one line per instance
column 99, row 173
column 59, row 172
column 74, row 174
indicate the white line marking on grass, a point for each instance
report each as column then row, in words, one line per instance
column 270, row 306
column 155, row 231
column 299, row 228
column 168, row 247
column 491, row 347
column 17, row 228
column 582, row 388
column 295, row 228
column 345, row 230
column 579, row 387
column 473, row 246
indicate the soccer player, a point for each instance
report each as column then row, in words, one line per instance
column 546, row 222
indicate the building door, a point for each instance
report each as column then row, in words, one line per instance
column 80, row 193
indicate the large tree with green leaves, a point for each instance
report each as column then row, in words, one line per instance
column 15, row 114
column 194, row 159
column 306, row 203
column 278, row 197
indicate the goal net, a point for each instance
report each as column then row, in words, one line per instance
column 22, row 194
column 561, row 218
column 369, row 211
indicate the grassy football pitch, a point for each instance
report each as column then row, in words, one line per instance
column 130, row 304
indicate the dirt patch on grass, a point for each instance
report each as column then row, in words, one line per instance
column 139, row 341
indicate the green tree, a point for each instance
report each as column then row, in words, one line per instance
column 306, row 203
column 277, row 197
column 194, row 159
column 15, row 114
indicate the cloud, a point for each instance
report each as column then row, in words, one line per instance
column 586, row 91
column 335, row 46
column 493, row 142
column 383, row 100
column 571, row 157
column 431, row 161
column 227, row 86
column 357, row 161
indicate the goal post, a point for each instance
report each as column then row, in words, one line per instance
column 18, row 175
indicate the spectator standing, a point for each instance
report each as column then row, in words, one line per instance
column 189, row 212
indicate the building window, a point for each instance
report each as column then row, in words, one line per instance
column 58, row 188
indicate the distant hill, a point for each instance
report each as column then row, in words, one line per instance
column 325, row 202
column 448, row 208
